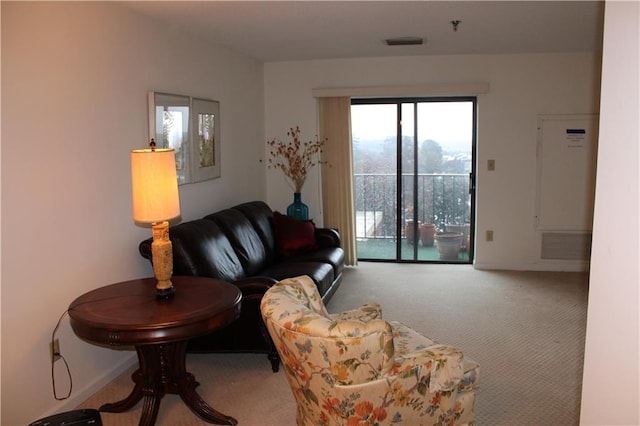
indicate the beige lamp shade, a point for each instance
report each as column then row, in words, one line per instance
column 154, row 185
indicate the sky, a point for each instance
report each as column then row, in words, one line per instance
column 444, row 122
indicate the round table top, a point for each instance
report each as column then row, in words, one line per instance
column 128, row 313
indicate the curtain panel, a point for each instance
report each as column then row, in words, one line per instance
column 337, row 172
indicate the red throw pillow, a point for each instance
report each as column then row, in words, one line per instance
column 293, row 236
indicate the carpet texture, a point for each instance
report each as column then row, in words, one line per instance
column 526, row 329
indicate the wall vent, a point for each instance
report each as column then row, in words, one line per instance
column 566, row 245
column 404, row 41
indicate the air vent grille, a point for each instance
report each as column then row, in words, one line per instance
column 566, row 246
column 404, row 41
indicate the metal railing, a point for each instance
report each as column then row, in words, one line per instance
column 442, row 198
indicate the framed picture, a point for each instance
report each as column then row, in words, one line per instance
column 205, row 138
column 191, row 126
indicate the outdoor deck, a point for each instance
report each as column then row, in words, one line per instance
column 385, row 249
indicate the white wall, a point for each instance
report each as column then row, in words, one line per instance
column 75, row 78
column 521, row 88
column 611, row 382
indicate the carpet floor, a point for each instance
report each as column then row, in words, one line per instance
column 526, row 330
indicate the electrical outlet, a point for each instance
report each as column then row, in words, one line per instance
column 54, row 350
column 489, row 236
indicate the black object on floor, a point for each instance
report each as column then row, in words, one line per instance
column 71, row 418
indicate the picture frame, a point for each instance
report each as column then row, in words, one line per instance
column 191, row 126
column 205, row 139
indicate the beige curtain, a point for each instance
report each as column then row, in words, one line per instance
column 337, row 172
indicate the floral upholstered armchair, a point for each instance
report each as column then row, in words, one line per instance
column 354, row 368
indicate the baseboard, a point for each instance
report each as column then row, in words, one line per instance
column 555, row 266
column 91, row 388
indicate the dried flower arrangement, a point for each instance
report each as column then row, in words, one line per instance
column 295, row 158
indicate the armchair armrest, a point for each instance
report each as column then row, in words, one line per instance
column 439, row 366
column 361, row 351
column 364, row 313
column 327, row 237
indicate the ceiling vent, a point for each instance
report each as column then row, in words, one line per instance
column 404, row 41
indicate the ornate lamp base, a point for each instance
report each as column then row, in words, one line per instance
column 162, row 255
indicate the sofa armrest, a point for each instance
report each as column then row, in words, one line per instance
column 327, row 237
column 364, row 313
column 439, row 366
column 145, row 249
column 254, row 285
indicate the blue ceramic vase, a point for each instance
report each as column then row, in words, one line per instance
column 298, row 210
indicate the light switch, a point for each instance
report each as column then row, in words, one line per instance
column 491, row 165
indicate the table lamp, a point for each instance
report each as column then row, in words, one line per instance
column 154, row 186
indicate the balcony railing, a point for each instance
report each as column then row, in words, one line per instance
column 442, row 198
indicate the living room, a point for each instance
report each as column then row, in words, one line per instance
column 75, row 83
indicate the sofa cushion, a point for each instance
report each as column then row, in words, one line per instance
column 293, row 236
column 261, row 217
column 244, row 239
column 331, row 255
column 200, row 248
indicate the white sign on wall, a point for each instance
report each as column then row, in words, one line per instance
column 576, row 138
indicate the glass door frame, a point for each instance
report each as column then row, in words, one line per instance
column 399, row 170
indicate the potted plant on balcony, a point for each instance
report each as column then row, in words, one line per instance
column 427, row 234
column 410, row 231
column 449, row 244
column 456, row 227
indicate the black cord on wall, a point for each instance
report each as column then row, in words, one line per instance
column 53, row 361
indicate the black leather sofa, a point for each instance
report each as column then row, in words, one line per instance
column 247, row 245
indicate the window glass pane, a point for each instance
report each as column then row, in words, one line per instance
column 374, row 166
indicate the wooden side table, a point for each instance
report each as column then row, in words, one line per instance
column 128, row 313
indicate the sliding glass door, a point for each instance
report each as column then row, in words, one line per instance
column 414, row 165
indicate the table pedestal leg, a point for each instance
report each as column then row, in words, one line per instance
column 162, row 370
